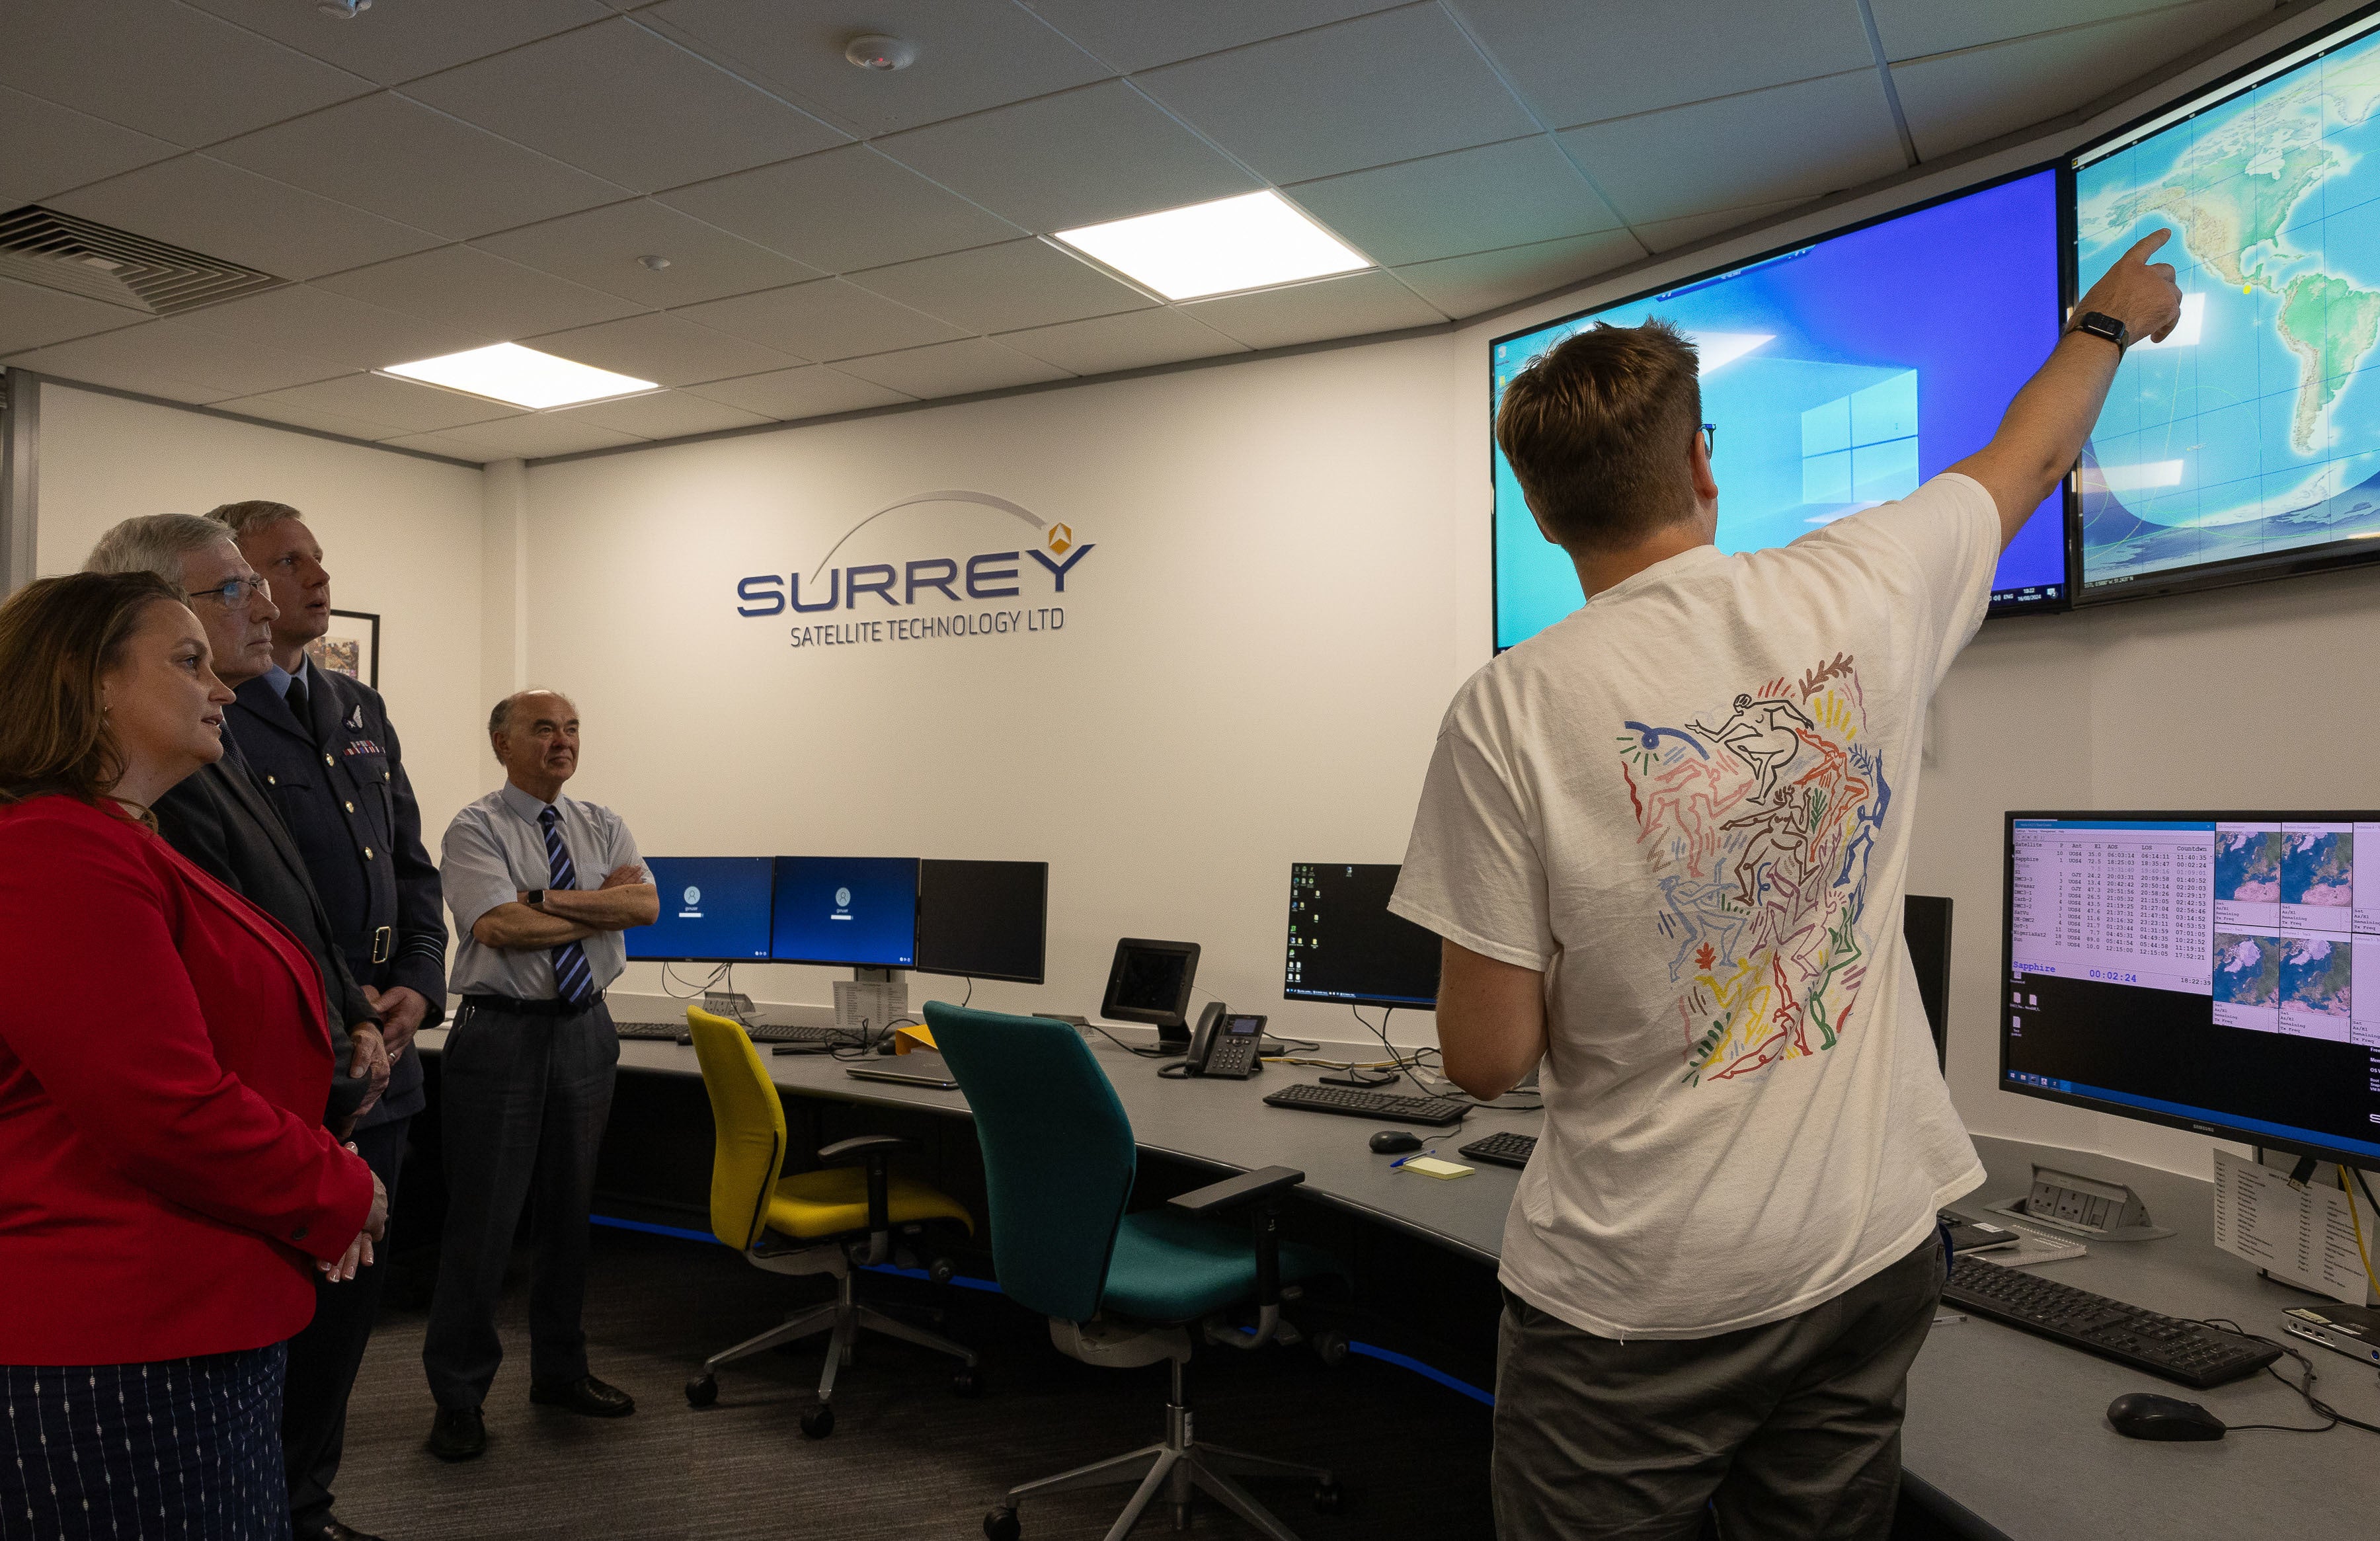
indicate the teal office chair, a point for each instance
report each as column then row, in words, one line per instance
column 1121, row 1289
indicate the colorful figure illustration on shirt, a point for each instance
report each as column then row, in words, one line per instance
column 1759, row 830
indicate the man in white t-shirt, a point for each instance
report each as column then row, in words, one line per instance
column 1665, row 842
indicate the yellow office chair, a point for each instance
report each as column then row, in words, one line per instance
column 826, row 1221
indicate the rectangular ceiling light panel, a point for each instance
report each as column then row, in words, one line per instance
column 1254, row 241
column 521, row 377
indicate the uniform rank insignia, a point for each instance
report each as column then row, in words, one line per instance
column 362, row 746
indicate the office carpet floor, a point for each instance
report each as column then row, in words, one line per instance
column 908, row 1459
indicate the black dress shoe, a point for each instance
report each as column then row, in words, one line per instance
column 325, row 1527
column 587, row 1395
column 457, row 1434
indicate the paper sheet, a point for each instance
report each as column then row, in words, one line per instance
column 2302, row 1235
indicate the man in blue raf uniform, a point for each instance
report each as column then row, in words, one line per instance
column 322, row 746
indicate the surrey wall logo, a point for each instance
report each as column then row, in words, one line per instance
column 927, row 597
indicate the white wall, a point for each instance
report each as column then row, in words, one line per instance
column 1253, row 665
column 400, row 534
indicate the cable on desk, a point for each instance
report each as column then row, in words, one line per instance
column 2303, row 1388
column 1158, row 1053
column 1420, row 1057
column 2357, row 1220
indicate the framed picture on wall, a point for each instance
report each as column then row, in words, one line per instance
column 351, row 646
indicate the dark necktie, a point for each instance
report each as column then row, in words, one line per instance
column 573, row 980
column 296, row 700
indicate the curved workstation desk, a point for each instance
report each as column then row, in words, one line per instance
column 2006, row 1436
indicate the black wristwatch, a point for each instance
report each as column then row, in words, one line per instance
column 535, row 897
column 2102, row 325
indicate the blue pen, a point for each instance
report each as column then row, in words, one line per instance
column 1403, row 1160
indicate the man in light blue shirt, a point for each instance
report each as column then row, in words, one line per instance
column 541, row 886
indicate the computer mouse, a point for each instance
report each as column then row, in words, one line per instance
column 1391, row 1142
column 2145, row 1415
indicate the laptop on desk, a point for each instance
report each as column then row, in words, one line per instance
column 919, row 1069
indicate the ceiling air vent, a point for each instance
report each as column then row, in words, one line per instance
column 59, row 251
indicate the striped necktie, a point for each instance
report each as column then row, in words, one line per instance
column 572, row 978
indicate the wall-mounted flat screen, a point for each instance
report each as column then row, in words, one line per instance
column 1839, row 375
column 854, row 911
column 983, row 920
column 2218, row 971
column 1345, row 945
column 714, row 909
column 2247, row 444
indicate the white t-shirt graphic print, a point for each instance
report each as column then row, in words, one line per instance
column 1688, row 804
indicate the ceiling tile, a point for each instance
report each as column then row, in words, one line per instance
column 970, row 56
column 479, row 292
column 662, row 415
column 1137, row 340
column 401, row 159
column 169, row 359
column 1464, row 287
column 52, row 147
column 1383, row 87
column 812, row 391
column 1350, row 307
column 825, row 321
column 1005, row 287
column 204, row 204
column 167, row 71
column 1669, row 235
column 304, row 319
column 628, row 105
column 1141, row 34
column 1911, row 29
column 601, row 249
column 31, row 316
column 1581, row 62
column 298, row 413
column 954, row 368
column 1954, row 99
column 1078, row 157
column 1726, row 153
column 401, row 406
column 1496, row 196
column 841, row 210
column 393, row 41
column 666, row 348
column 524, row 438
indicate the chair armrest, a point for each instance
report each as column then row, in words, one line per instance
column 1231, row 1192
column 863, row 1147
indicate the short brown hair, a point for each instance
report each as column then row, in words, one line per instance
column 57, row 637
column 245, row 519
column 1596, row 428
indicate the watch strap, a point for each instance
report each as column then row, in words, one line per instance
column 2100, row 324
column 535, row 897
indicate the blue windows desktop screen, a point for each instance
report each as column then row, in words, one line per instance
column 1837, row 376
column 860, row 912
column 714, row 909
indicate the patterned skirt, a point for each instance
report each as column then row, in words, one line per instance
column 182, row 1448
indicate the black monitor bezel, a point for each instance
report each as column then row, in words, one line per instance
column 693, row 957
column 1172, row 1026
column 845, row 963
column 1392, row 1003
column 1040, row 976
column 2214, row 1128
column 2061, row 166
column 2298, row 562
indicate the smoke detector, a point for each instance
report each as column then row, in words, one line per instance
column 875, row 51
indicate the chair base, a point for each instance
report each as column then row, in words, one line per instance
column 844, row 1320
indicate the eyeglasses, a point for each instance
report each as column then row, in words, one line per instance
column 1710, row 438
column 234, row 592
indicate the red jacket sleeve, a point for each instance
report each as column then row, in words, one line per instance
column 81, row 915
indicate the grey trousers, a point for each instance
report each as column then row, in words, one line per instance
column 1786, row 1431
column 524, row 1099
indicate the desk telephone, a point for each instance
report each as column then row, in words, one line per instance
column 1226, row 1043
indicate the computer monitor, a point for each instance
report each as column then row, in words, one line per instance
column 2247, row 444
column 714, row 909
column 1925, row 929
column 983, row 920
column 2214, row 971
column 1837, row 375
column 856, row 912
column 1150, row 982
column 1345, row 946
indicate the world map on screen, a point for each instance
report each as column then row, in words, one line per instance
column 2254, row 429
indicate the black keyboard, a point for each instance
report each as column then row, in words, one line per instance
column 2166, row 1346
column 1314, row 1098
column 666, row 1032
column 1504, row 1148
column 670, row 1032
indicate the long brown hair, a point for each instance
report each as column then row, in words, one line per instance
column 57, row 637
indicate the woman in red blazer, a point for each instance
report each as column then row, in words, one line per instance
column 165, row 1184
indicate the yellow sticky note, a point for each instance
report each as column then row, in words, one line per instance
column 1430, row 1166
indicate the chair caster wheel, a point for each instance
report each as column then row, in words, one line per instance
column 819, row 1422
column 941, row 1270
column 1331, row 1346
column 1001, row 1525
column 966, row 1383
column 701, row 1391
column 1325, row 1499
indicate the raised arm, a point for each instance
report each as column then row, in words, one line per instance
column 2041, row 436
